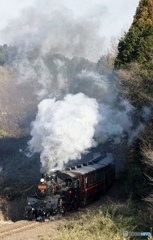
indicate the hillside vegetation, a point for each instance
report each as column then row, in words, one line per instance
column 109, row 221
column 135, row 71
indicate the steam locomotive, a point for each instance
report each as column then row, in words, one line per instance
column 62, row 191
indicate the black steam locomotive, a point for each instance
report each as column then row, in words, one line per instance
column 61, row 191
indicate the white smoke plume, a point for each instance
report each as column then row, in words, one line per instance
column 98, row 86
column 52, row 26
column 38, row 75
column 114, row 124
column 144, row 118
column 48, row 37
column 65, row 129
column 35, row 72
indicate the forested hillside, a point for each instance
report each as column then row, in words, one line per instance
column 137, row 45
column 134, row 68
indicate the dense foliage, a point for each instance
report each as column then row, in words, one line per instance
column 137, row 44
column 134, row 69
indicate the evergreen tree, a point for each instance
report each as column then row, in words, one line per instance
column 137, row 43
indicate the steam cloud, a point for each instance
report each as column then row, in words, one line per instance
column 48, row 37
column 50, row 26
column 65, row 129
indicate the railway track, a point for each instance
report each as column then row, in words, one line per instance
column 11, row 231
column 18, row 227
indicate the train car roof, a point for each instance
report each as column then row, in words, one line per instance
column 87, row 169
column 92, row 165
column 100, row 162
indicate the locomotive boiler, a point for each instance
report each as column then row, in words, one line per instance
column 71, row 188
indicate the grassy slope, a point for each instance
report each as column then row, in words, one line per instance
column 108, row 221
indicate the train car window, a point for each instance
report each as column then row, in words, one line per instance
column 61, row 175
column 76, row 184
column 102, row 176
column 99, row 176
column 85, row 181
column 89, row 180
column 59, row 180
column 94, row 177
column 68, row 182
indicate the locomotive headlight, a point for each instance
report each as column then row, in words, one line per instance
column 42, row 180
